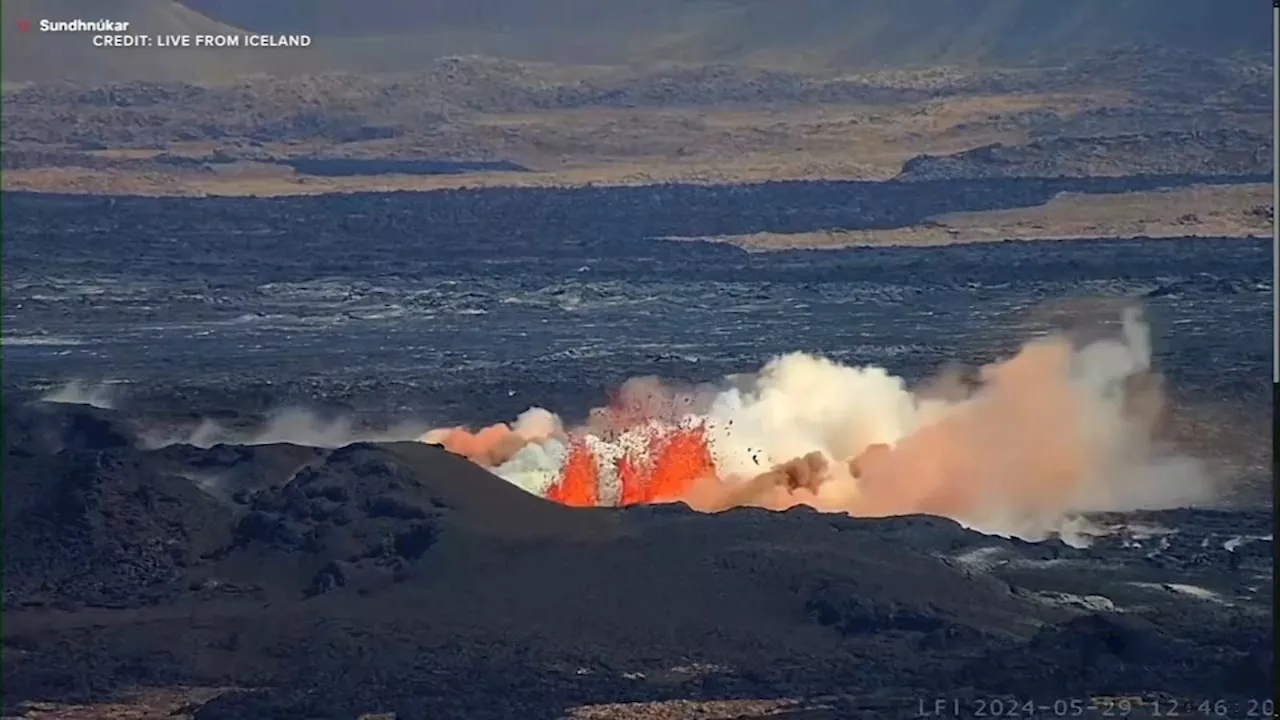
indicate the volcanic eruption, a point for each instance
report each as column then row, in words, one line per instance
column 1058, row 428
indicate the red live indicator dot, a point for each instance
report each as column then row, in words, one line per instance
column 24, row 25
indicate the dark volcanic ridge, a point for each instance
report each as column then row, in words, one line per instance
column 1228, row 152
column 398, row 577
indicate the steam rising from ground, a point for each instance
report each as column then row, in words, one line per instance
column 1053, row 431
column 1021, row 448
column 296, row 426
column 78, row 392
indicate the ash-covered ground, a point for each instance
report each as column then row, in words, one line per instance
column 184, row 533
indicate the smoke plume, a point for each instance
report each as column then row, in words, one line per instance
column 297, row 426
column 1056, row 430
column 78, row 392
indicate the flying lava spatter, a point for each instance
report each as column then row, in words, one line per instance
column 1055, row 429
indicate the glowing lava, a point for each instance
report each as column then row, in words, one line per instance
column 1057, row 428
column 579, row 479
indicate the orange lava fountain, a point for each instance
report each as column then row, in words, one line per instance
column 579, row 480
column 665, row 471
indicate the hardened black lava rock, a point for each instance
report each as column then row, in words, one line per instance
column 400, row 578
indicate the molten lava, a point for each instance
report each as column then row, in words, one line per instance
column 662, row 470
column 1059, row 427
column 579, row 480
column 681, row 458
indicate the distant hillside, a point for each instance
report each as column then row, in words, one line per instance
column 44, row 57
column 814, row 34
column 408, row 35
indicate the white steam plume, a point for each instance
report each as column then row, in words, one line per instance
column 294, row 426
column 78, row 392
column 1054, row 431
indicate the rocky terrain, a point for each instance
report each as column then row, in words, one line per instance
column 1157, row 153
column 1120, row 113
column 400, row 579
column 215, row 505
column 174, row 539
column 1234, row 211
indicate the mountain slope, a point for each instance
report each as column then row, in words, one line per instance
column 811, row 33
column 406, row 35
column 43, row 57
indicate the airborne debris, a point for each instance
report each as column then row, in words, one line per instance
column 1053, row 431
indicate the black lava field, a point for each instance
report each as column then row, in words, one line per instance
column 320, row 581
